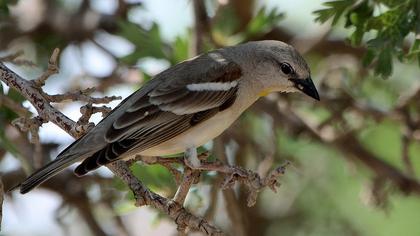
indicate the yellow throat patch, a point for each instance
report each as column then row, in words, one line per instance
column 264, row 93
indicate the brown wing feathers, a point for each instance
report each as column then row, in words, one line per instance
column 165, row 112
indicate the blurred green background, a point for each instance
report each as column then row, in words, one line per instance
column 355, row 155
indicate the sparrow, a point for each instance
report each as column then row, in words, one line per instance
column 185, row 106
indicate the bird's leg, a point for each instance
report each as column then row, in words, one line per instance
column 190, row 176
column 191, row 158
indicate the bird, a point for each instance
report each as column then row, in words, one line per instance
column 185, row 106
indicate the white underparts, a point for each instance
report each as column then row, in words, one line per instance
column 212, row 86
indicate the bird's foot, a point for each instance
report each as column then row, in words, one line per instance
column 191, row 158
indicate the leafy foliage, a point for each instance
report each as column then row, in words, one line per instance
column 148, row 42
column 335, row 10
column 387, row 27
column 264, row 20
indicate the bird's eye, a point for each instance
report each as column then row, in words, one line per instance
column 286, row 68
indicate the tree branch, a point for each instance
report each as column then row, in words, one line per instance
column 45, row 110
column 201, row 27
column 174, row 210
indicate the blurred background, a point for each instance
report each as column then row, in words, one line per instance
column 355, row 154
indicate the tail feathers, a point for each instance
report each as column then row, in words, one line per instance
column 46, row 172
column 87, row 165
column 100, row 158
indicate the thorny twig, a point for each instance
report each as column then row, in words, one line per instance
column 51, row 70
column 83, row 96
column 14, row 59
column 189, row 178
column 32, row 125
column 251, row 179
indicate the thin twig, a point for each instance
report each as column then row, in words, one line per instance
column 233, row 174
column 51, row 70
column 190, row 176
column 405, row 156
column 82, row 96
column 12, row 58
column 32, row 125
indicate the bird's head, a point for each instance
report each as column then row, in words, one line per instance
column 282, row 69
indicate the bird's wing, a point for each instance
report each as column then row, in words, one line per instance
column 186, row 95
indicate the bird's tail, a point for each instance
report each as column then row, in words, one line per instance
column 46, row 172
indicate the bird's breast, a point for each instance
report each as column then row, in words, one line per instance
column 195, row 136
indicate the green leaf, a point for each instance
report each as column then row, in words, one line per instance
column 384, row 64
column 356, row 37
column 415, row 51
column 388, row 28
column 148, row 42
column 264, row 20
column 155, row 176
column 392, row 3
column 415, row 48
column 386, row 19
column 180, row 49
column 334, row 9
column 357, row 17
column 376, row 43
column 417, row 21
column 227, row 23
column 368, row 57
column 359, row 14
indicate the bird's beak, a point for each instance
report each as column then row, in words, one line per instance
column 307, row 87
